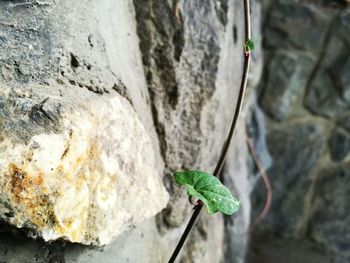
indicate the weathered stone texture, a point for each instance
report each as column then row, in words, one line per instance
column 78, row 168
column 72, row 161
column 66, row 66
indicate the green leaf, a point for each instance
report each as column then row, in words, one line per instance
column 209, row 190
column 249, row 45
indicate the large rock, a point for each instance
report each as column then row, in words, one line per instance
column 286, row 80
column 322, row 97
column 75, row 167
column 295, row 150
column 328, row 91
column 339, row 144
column 179, row 65
column 330, row 219
column 285, row 21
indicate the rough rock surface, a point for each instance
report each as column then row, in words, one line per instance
column 304, row 95
column 179, row 65
column 79, row 169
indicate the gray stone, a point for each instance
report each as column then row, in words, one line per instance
column 287, row 250
column 344, row 122
column 287, row 76
column 295, row 25
column 343, row 25
column 295, row 150
column 330, row 219
column 344, row 80
column 328, row 94
column 256, row 131
column 322, row 97
column 335, row 51
column 174, row 62
column 339, row 144
column 189, row 65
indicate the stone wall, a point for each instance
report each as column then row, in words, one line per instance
column 100, row 101
column 304, row 95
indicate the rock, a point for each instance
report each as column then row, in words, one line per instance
column 339, row 144
column 322, row 98
column 179, row 65
column 344, row 122
column 334, row 54
column 295, row 150
column 257, row 130
column 343, row 25
column 328, row 94
column 286, row 79
column 343, row 77
column 237, row 226
column 330, row 219
column 77, row 167
column 337, row 43
column 294, row 25
column 287, row 250
column 189, row 66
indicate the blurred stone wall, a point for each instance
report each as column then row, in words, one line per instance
column 305, row 97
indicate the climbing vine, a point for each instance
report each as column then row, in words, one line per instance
column 206, row 186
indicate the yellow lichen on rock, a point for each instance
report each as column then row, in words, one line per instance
column 85, row 182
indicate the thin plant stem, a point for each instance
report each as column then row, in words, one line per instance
column 265, row 177
column 227, row 144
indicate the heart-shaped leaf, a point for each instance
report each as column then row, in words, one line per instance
column 209, row 190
